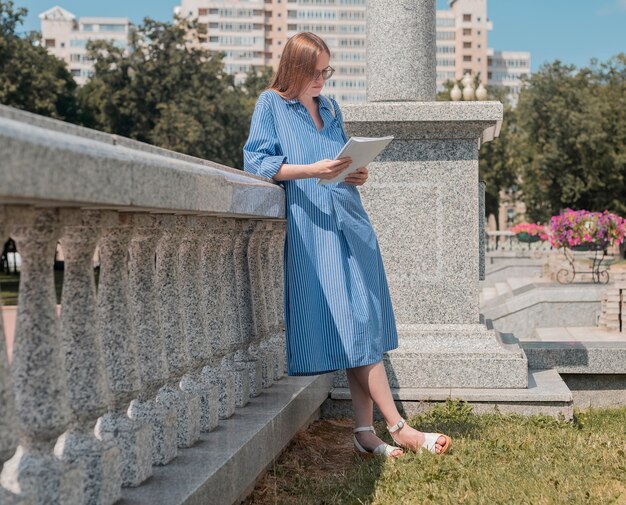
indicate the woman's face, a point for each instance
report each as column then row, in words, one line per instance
column 314, row 87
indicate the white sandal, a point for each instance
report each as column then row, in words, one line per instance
column 381, row 450
column 430, row 439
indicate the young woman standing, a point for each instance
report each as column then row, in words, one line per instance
column 338, row 312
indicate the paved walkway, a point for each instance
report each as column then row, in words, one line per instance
column 576, row 334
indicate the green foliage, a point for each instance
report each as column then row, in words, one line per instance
column 168, row 92
column 573, row 137
column 499, row 159
column 30, row 77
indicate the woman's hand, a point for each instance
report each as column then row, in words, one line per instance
column 357, row 178
column 327, row 169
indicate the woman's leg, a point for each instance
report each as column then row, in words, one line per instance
column 374, row 383
column 363, row 408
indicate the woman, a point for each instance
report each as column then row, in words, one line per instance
column 338, row 311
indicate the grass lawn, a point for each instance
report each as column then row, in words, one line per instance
column 494, row 459
column 9, row 286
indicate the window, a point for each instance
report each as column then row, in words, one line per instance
column 213, row 38
column 478, row 32
column 203, row 12
column 292, row 27
column 445, row 35
column 112, row 28
column 467, row 57
column 467, row 45
column 467, row 17
column 62, row 44
column 75, row 72
column 50, row 43
column 478, row 46
column 88, row 28
column 78, row 43
column 467, row 71
column 467, row 31
column 212, row 11
column 74, row 57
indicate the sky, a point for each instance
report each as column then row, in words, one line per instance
column 573, row 31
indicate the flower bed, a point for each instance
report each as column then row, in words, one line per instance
column 528, row 232
column 585, row 230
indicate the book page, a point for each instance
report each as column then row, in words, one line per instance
column 362, row 150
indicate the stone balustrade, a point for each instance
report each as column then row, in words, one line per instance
column 182, row 328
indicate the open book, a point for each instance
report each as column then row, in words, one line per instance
column 362, row 150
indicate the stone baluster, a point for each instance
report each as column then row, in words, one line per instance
column 7, row 400
column 84, row 363
column 259, row 327
column 266, row 258
column 198, row 256
column 187, row 404
column 133, row 438
column 150, row 407
column 235, row 316
column 277, row 269
column 38, row 370
column 245, row 251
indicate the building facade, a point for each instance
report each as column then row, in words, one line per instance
column 462, row 41
column 66, row 37
column 505, row 70
column 243, row 30
column 252, row 34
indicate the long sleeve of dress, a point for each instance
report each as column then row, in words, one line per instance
column 262, row 154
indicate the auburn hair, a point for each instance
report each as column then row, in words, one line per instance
column 297, row 64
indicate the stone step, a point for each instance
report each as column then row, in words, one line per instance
column 502, row 288
column 579, row 357
column 546, row 393
column 452, row 356
column 488, row 293
column 223, row 466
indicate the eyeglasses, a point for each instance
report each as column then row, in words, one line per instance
column 325, row 73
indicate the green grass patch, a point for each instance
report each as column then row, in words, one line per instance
column 10, row 283
column 494, row 459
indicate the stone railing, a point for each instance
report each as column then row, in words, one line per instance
column 184, row 326
column 507, row 241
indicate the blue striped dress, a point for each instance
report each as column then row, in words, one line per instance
column 338, row 312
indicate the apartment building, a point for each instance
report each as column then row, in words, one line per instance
column 505, row 69
column 252, row 33
column 66, row 37
column 242, row 29
column 462, row 41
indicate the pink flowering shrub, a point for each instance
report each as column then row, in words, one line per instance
column 573, row 228
column 532, row 230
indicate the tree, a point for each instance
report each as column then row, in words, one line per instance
column 573, row 128
column 31, row 78
column 168, row 92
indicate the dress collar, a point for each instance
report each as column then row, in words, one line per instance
column 323, row 104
